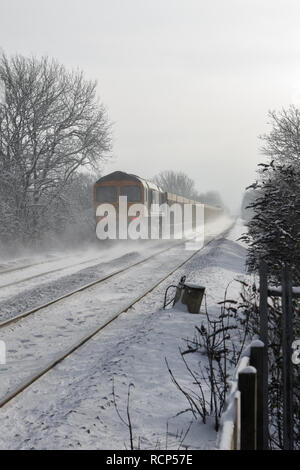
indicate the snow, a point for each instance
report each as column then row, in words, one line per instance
column 193, row 286
column 72, row 405
column 257, row 343
column 248, row 370
column 17, row 282
column 228, row 419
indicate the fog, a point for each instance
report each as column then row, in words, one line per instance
column 187, row 84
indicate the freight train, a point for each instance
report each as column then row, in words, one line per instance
column 146, row 200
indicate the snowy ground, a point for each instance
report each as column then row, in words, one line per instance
column 72, row 406
column 57, row 273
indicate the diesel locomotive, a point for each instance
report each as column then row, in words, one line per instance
column 114, row 187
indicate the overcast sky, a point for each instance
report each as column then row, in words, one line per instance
column 187, row 83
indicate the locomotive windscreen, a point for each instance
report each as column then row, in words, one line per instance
column 106, row 194
column 133, row 193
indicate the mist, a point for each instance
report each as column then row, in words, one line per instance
column 187, row 84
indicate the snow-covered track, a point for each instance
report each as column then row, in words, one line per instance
column 82, row 288
column 63, row 355
column 22, row 384
column 20, row 281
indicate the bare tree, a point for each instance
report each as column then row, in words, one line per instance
column 282, row 143
column 177, row 183
column 51, row 125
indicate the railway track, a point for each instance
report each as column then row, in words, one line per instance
column 36, row 276
column 63, row 355
column 20, row 281
column 82, row 288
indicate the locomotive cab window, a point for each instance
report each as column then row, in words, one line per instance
column 106, row 194
column 133, row 193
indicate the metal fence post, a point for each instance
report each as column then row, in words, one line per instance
column 257, row 353
column 248, row 387
column 263, row 311
column 287, row 338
